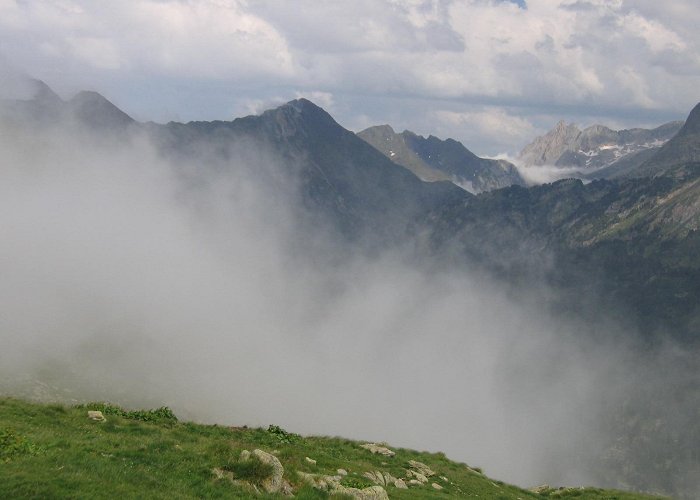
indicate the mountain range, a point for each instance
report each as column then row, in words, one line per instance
column 433, row 159
column 597, row 151
column 628, row 245
column 631, row 233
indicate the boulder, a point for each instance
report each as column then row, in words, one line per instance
column 417, row 476
column 542, row 488
column 332, row 485
column 310, row 461
column 381, row 450
column 342, row 472
column 275, row 483
column 370, row 493
column 421, row 467
column 436, row 486
column 400, row 484
column 96, row 416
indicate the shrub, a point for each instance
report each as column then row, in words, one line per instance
column 162, row 415
column 282, row 435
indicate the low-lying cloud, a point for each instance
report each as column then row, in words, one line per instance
column 134, row 279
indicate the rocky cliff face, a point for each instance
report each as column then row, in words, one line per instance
column 433, row 159
column 546, row 149
column 596, row 147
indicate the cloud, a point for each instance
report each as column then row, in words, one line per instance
column 143, row 281
column 489, row 122
column 616, row 58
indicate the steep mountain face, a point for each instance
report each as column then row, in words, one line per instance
column 546, row 149
column 595, row 147
column 433, row 159
column 629, row 247
column 341, row 177
column 683, row 148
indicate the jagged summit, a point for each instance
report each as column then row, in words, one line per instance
column 596, row 147
column 433, row 159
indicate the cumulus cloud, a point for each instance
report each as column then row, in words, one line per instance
column 555, row 54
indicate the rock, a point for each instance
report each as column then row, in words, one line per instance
column 310, row 460
column 333, row 486
column 342, row 472
column 389, row 479
column 245, row 455
column 417, row 475
column 275, row 483
column 96, row 416
column 400, row 484
column 376, row 477
column 381, row 450
column 421, row 467
column 320, row 481
column 540, row 489
column 415, row 482
column 436, row 486
column 371, row 493
column 444, row 479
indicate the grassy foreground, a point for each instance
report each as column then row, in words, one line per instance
column 53, row 451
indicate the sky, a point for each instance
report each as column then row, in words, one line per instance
column 490, row 73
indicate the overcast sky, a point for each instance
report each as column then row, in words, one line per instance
column 491, row 73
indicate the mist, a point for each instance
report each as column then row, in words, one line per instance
column 146, row 281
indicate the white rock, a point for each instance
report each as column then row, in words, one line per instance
column 310, row 460
column 274, row 483
column 417, row 475
column 421, row 467
column 436, row 486
column 96, row 416
column 342, row 472
column 381, row 450
column 400, row 484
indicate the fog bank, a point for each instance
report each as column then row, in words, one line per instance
column 129, row 278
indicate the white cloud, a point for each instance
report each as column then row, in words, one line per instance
column 556, row 54
column 490, row 122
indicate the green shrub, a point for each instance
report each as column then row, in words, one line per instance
column 282, row 435
column 162, row 415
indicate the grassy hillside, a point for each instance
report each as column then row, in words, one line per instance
column 53, row 451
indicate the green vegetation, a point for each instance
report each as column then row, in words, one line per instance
column 51, row 451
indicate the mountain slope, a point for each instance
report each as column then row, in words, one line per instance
column 433, row 159
column 683, row 148
column 340, row 175
column 53, row 451
column 596, row 147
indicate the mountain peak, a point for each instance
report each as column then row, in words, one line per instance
column 96, row 110
column 692, row 124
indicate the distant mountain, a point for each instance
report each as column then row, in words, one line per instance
column 433, row 159
column 87, row 109
column 626, row 247
column 595, row 147
column 683, row 148
column 342, row 178
column 96, row 111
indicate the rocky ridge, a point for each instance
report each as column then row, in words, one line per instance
column 432, row 159
column 595, row 147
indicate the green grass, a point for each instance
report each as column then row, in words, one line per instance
column 51, row 451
